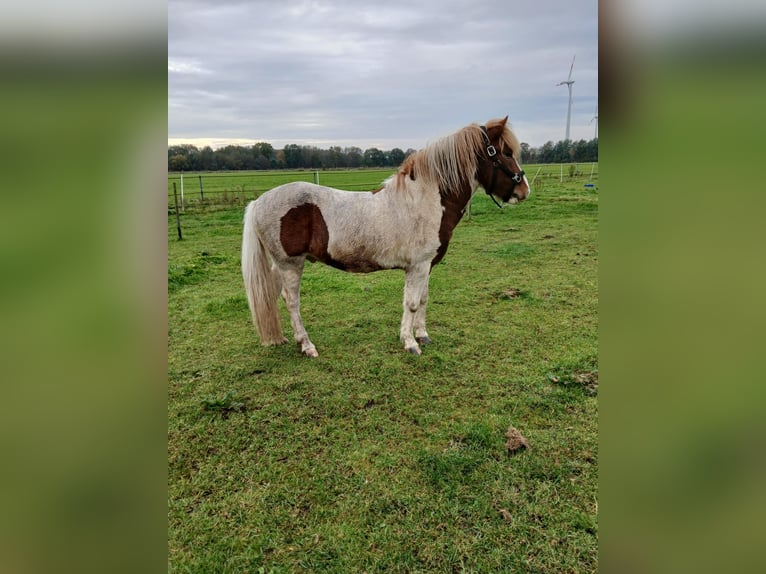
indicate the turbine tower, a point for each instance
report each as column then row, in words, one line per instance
column 595, row 119
column 569, row 83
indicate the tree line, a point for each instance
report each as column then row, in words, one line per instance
column 262, row 155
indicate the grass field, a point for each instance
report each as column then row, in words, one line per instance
column 369, row 459
column 231, row 187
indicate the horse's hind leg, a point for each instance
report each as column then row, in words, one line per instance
column 291, row 292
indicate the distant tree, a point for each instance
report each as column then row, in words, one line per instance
column 190, row 154
column 373, row 157
column 292, row 153
column 262, row 162
column 396, row 156
column 593, row 150
column 354, row 156
column 262, row 155
column 207, row 159
column 561, row 151
column 235, row 157
column 336, row 157
column 279, row 159
column 525, row 152
column 178, row 162
column 545, row 155
column 315, row 157
column 580, row 151
column 263, row 149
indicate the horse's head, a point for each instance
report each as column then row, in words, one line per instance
column 499, row 171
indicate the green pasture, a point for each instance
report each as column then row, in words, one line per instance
column 240, row 186
column 369, row 459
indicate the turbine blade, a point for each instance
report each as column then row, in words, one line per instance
column 571, row 67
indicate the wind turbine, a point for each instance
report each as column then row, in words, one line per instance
column 595, row 119
column 569, row 83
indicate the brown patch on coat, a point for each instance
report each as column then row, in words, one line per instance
column 454, row 201
column 453, row 207
column 303, row 231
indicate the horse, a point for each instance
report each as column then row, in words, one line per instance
column 405, row 224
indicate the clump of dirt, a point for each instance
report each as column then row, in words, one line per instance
column 510, row 293
column 587, row 380
column 516, row 441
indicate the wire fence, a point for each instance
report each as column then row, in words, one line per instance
column 232, row 188
column 226, row 190
column 229, row 189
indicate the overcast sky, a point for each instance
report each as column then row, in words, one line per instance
column 387, row 73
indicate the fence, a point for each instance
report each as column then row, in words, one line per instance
column 227, row 188
column 223, row 190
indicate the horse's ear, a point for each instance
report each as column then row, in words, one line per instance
column 496, row 127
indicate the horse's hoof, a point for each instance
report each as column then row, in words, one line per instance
column 423, row 340
column 414, row 350
column 312, row 352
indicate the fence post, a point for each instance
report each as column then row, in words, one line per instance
column 561, row 179
column 178, row 217
column 201, row 194
column 534, row 178
column 316, row 177
column 592, row 167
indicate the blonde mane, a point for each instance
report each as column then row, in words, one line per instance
column 447, row 162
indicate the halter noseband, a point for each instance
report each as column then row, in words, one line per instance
column 516, row 177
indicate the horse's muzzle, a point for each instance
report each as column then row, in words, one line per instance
column 520, row 191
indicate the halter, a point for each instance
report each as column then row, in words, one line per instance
column 516, row 177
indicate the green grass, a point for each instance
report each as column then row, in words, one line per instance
column 371, row 459
column 238, row 187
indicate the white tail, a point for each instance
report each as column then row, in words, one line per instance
column 262, row 283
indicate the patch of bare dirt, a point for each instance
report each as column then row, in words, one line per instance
column 588, row 380
column 515, row 442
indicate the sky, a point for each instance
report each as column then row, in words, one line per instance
column 377, row 74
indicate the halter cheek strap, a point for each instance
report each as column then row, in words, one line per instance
column 516, row 177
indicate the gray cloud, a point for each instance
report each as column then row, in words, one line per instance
column 368, row 73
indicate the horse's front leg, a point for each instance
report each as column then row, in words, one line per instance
column 415, row 296
column 421, row 335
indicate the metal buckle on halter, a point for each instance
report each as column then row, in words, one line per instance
column 517, row 177
column 491, row 151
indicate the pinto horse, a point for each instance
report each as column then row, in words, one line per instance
column 406, row 224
